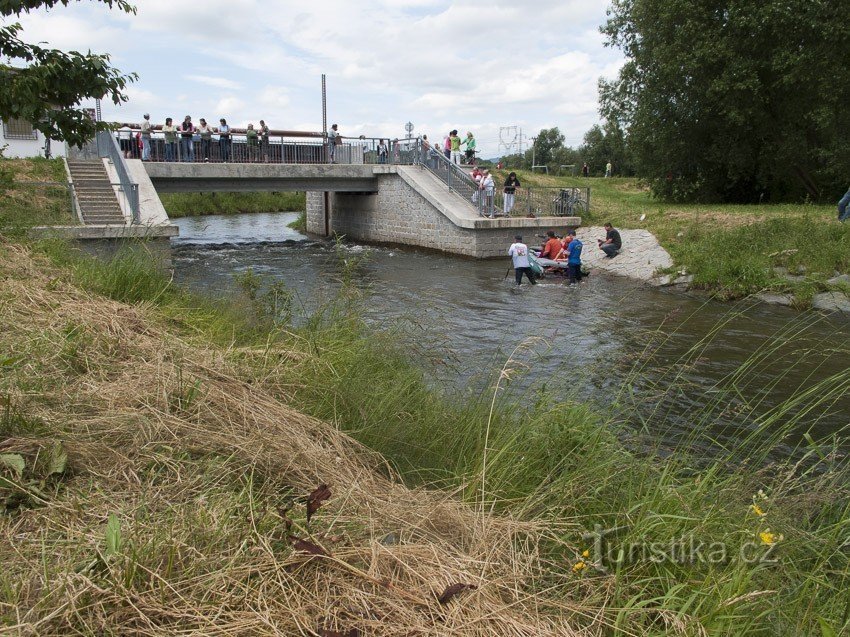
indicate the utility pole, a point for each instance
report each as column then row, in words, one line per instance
column 533, row 149
column 324, row 106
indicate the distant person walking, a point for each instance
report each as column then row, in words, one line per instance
column 511, row 184
column 519, row 253
column 608, row 169
column 146, row 138
column 844, row 207
column 224, row 140
column 187, row 131
column 447, row 146
column 585, row 171
column 170, row 133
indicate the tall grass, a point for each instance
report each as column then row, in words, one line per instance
column 194, row 204
column 771, row 534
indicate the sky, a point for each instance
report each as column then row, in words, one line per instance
column 474, row 66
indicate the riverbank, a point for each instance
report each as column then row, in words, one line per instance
column 790, row 251
column 188, row 455
column 198, row 204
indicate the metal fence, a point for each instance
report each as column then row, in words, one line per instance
column 107, row 146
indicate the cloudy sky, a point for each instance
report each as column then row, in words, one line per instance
column 468, row 65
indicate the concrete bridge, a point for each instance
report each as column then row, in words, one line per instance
column 420, row 200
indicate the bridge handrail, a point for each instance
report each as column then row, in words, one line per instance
column 107, row 146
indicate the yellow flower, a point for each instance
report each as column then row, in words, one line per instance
column 758, row 510
column 579, row 566
column 769, row 539
column 585, row 553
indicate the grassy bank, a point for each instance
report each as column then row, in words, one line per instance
column 194, row 429
column 26, row 199
column 216, row 203
column 733, row 250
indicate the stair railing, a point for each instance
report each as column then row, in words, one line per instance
column 107, row 146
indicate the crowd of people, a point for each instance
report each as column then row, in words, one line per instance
column 560, row 254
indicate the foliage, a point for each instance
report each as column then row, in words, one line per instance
column 209, row 487
column 603, row 144
column 47, row 91
column 33, row 193
column 200, row 203
column 733, row 101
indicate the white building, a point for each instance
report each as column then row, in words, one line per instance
column 19, row 139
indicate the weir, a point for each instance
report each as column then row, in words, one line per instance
column 409, row 194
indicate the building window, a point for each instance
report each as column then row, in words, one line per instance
column 18, row 129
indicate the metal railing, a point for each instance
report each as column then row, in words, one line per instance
column 107, row 146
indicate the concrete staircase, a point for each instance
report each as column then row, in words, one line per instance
column 95, row 195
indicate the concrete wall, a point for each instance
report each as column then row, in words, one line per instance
column 400, row 213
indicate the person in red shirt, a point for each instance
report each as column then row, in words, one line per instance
column 552, row 247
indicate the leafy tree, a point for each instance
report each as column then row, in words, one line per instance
column 48, row 89
column 604, row 144
column 546, row 145
column 733, row 100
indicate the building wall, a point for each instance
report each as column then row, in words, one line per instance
column 399, row 214
column 24, row 148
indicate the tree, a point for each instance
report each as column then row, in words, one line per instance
column 47, row 91
column 602, row 145
column 546, row 145
column 733, row 100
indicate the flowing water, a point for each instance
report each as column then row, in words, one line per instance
column 609, row 340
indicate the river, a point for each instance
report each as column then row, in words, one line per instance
column 661, row 356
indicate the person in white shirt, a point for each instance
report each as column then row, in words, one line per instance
column 146, row 138
column 519, row 253
column 488, row 187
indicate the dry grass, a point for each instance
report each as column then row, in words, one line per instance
column 199, row 468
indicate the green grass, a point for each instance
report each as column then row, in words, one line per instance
column 731, row 250
column 25, row 203
column 194, row 204
column 561, row 461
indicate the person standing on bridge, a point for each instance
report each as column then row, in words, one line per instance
column 205, row 131
column 469, row 142
column 383, row 151
column 447, row 146
column 333, row 140
column 252, row 142
column 511, row 184
column 170, row 133
column 146, row 138
column 264, row 141
column 455, row 144
column 187, row 131
column 224, row 140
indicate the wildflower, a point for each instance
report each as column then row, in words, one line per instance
column 579, row 566
column 768, row 538
column 758, row 510
column 761, row 494
column 585, row 553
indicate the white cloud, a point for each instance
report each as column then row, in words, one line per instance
column 441, row 64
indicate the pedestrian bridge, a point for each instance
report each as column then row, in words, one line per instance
column 203, row 177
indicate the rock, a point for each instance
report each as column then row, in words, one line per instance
column 831, row 302
column 841, row 278
column 776, row 299
column 780, row 271
column 684, row 279
column 663, row 281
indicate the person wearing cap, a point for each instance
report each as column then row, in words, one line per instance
column 574, row 257
column 519, row 253
column 146, row 138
